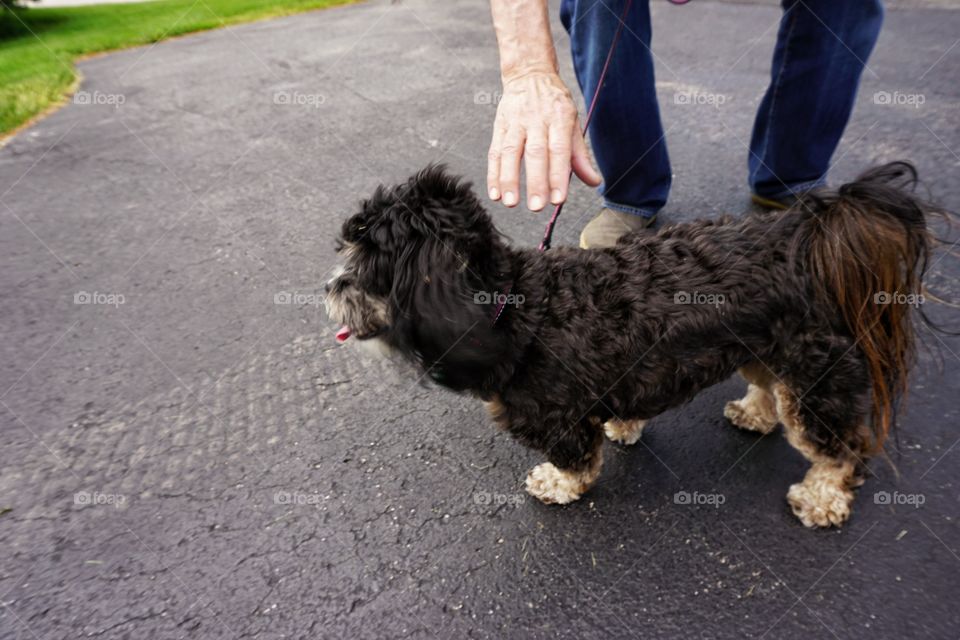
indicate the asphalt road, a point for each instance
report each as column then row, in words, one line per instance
column 183, row 457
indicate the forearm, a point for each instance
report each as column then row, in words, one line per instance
column 536, row 118
column 523, row 37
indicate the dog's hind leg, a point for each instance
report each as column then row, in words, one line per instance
column 825, row 495
column 624, row 431
column 756, row 411
column 575, row 458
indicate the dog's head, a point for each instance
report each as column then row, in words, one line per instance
column 421, row 261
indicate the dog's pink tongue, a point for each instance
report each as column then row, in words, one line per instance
column 343, row 333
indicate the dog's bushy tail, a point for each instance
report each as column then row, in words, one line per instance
column 867, row 246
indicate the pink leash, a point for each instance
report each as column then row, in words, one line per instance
column 548, row 232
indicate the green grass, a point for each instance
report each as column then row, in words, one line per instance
column 38, row 46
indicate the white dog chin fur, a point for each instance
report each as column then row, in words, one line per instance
column 375, row 347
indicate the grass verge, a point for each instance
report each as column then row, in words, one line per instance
column 38, row 46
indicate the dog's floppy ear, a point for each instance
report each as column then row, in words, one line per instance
column 443, row 282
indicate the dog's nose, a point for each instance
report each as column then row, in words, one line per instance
column 327, row 287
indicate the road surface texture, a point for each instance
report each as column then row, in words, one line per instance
column 186, row 452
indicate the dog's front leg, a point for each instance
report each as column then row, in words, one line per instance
column 575, row 458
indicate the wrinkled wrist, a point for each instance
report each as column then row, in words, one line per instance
column 527, row 71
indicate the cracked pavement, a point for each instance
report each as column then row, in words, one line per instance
column 190, row 459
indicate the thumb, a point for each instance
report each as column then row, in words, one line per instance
column 582, row 166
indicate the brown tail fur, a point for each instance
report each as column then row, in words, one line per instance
column 868, row 245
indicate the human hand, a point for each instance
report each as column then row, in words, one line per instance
column 537, row 122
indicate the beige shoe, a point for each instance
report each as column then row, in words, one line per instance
column 609, row 226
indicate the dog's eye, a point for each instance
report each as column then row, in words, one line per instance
column 355, row 231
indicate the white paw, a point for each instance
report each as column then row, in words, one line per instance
column 745, row 418
column 551, row 485
column 820, row 505
column 624, row 431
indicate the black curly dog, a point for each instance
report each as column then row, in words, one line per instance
column 811, row 305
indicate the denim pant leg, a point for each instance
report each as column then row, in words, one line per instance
column 822, row 49
column 625, row 132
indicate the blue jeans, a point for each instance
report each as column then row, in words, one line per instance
column 821, row 51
